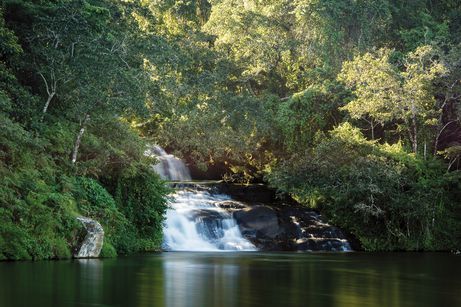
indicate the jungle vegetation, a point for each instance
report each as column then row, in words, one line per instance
column 349, row 106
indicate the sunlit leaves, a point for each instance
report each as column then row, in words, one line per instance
column 385, row 92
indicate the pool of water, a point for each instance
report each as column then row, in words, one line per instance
column 237, row 279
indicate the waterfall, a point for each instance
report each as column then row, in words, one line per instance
column 201, row 220
column 195, row 222
column 169, row 167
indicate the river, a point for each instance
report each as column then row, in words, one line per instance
column 237, row 279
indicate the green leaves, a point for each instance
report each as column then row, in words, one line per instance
column 306, row 113
column 389, row 199
column 386, row 94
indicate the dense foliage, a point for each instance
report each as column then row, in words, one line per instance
column 351, row 107
column 70, row 80
column 386, row 197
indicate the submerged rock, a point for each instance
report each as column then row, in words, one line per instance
column 93, row 241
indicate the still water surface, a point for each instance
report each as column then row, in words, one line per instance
column 236, row 279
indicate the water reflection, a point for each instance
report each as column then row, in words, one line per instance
column 233, row 279
column 190, row 281
column 90, row 279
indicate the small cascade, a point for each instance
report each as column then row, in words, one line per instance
column 319, row 235
column 195, row 222
column 169, row 167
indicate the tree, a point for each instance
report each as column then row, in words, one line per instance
column 84, row 57
column 376, row 84
column 385, row 94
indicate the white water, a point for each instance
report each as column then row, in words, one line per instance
column 194, row 222
column 169, row 167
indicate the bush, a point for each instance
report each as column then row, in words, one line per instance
column 13, row 240
column 389, row 199
column 141, row 196
column 95, row 202
column 108, row 250
column 134, row 220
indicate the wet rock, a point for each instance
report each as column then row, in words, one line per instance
column 229, row 204
column 258, row 221
column 92, row 243
column 314, row 233
column 209, row 223
column 321, row 244
column 289, row 228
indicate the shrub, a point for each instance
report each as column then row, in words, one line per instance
column 389, row 199
column 141, row 196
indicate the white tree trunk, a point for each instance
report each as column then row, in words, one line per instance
column 47, row 103
column 50, row 90
column 79, row 138
column 439, row 133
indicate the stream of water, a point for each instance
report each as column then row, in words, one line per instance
column 194, row 221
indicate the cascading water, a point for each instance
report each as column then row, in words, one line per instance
column 169, row 167
column 194, row 221
column 198, row 220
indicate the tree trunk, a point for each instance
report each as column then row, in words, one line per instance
column 415, row 135
column 452, row 161
column 50, row 90
column 439, row 133
column 440, row 126
column 79, row 138
column 425, row 150
column 372, row 130
column 410, row 134
column 47, row 103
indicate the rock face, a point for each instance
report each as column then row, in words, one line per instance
column 258, row 222
column 92, row 243
column 289, row 228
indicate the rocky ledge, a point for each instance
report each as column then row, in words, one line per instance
column 281, row 224
column 289, row 229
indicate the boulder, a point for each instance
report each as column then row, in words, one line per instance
column 92, row 243
column 322, row 244
column 258, row 221
column 289, row 228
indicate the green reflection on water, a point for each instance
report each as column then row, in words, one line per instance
column 236, row 279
